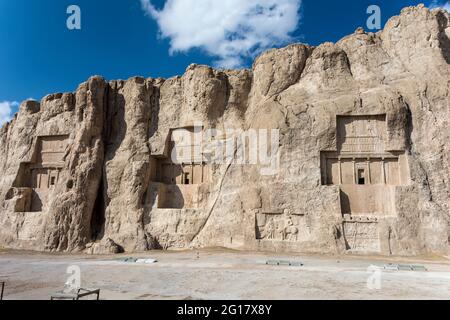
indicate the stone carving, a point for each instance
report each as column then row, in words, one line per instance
column 181, row 170
column 269, row 230
column 183, row 163
column 363, row 127
column 280, row 227
column 362, row 236
column 361, row 134
column 51, row 150
column 362, row 168
column 361, row 157
column 39, row 176
column 290, row 231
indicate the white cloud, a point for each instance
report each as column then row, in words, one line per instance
column 440, row 4
column 229, row 30
column 6, row 111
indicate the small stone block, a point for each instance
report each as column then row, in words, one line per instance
column 419, row 268
column 284, row 263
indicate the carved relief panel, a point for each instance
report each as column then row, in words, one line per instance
column 37, row 178
column 282, row 227
column 51, row 149
column 361, row 134
column 360, row 158
column 362, row 236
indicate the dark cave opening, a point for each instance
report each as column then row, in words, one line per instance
column 98, row 215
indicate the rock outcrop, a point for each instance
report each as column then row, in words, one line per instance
column 357, row 156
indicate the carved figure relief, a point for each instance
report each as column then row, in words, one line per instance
column 270, row 230
column 281, row 227
column 290, row 231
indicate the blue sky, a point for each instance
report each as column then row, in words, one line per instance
column 119, row 39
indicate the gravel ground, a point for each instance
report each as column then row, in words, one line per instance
column 221, row 274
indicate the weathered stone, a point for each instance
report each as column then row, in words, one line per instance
column 363, row 164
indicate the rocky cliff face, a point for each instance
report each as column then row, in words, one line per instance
column 358, row 160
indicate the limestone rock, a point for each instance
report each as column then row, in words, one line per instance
column 358, row 159
column 106, row 246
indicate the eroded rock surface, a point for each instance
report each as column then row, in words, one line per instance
column 361, row 128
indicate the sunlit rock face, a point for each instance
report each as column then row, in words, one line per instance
column 356, row 161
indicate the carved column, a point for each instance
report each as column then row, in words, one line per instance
column 369, row 178
column 49, row 174
column 354, row 172
column 383, row 173
column 202, row 169
column 339, row 171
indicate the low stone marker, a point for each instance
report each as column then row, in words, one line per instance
column 139, row 260
column 404, row 267
column 286, row 263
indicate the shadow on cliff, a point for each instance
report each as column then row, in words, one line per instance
column 409, row 128
column 174, row 198
column 161, row 240
column 218, row 108
column 444, row 41
column 114, row 132
column 170, row 197
column 345, row 203
column 98, row 218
